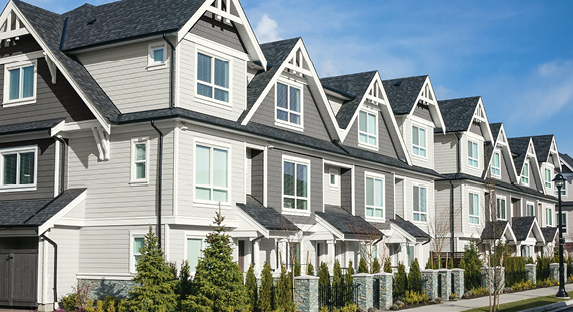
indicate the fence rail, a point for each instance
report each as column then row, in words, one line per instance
column 512, row 278
column 333, row 297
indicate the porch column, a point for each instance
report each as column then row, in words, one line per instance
column 256, row 258
column 403, row 253
column 331, row 254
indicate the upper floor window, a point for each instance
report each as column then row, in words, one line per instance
column 212, row 77
column 501, row 209
column 548, row 217
column 157, row 55
column 367, row 128
column 419, row 141
column 333, row 178
column 474, row 208
column 295, row 184
column 288, row 104
column 139, row 159
column 563, row 220
column 20, row 82
column 530, row 210
column 473, row 158
column 18, row 167
column 496, row 164
column 374, row 192
column 525, row 174
column 211, row 173
column 137, row 244
column 548, row 182
column 420, row 208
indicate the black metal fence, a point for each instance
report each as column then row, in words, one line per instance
column 513, row 278
column 333, row 297
column 472, row 279
column 543, row 274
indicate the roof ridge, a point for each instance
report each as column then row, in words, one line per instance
column 353, row 74
column 409, row 77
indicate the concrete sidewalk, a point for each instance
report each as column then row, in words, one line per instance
column 466, row 304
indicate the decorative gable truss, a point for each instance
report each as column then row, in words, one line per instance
column 501, row 143
column 230, row 12
column 553, row 156
column 298, row 66
column 427, row 97
column 481, row 118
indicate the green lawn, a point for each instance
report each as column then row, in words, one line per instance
column 521, row 305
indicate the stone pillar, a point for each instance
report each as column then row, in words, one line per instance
column 445, row 280
column 306, row 293
column 430, row 283
column 554, row 269
column 385, row 290
column 531, row 273
column 485, row 282
column 365, row 283
column 256, row 258
column 331, row 255
column 458, row 277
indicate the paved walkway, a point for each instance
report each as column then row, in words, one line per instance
column 463, row 304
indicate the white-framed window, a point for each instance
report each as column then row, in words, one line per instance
column 473, row 158
column 333, row 178
column 140, row 160
column 548, row 176
column 420, row 204
column 374, row 193
column 525, row 174
column 288, row 104
column 18, row 168
column 563, row 220
column 368, row 128
column 563, row 190
column 211, row 173
column 213, row 77
column 157, row 55
column 529, row 209
column 474, row 208
column 501, row 208
column 296, row 186
column 496, row 164
column 20, row 81
column 419, row 141
column 548, row 217
column 194, row 246
column 137, row 243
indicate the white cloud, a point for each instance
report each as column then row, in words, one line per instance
column 266, row 29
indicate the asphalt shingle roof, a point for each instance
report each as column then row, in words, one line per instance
column 566, row 158
column 410, row 227
column 521, row 227
column 403, row 92
column 267, row 217
column 549, row 233
column 355, row 85
column 458, row 113
column 495, row 129
column 542, row 144
column 519, row 147
column 346, row 223
column 29, row 126
column 493, row 227
column 14, row 213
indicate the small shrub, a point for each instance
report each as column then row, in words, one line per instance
column 121, row 306
column 414, row 297
column 362, row 266
column 99, row 306
column 450, row 264
column 251, row 285
column 375, row 266
column 310, row 269
column 415, row 277
column 349, row 308
column 348, row 280
column 453, row 296
column 89, row 306
column 387, row 265
column 462, row 264
column 70, row 302
column 265, row 299
column 524, row 285
column 478, row 291
column 324, row 309
column 401, row 282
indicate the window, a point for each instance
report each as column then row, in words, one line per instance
column 495, row 165
column 139, row 158
column 419, row 141
column 212, row 77
column 333, row 178
column 525, row 174
column 563, row 190
column 20, row 82
column 374, row 197
column 157, row 55
column 194, row 252
column 18, row 167
column 295, row 185
column 211, row 174
column 135, row 252
column 367, row 128
column 563, row 220
column 549, row 217
column 548, row 182
column 473, row 159
column 420, row 208
column 289, row 107
column 474, row 208
column 501, row 209
column 529, row 210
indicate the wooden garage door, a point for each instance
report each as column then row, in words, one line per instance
column 18, row 277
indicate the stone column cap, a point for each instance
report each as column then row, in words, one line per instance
column 362, row 275
column 383, row 274
column 458, row 269
column 306, row 277
column 530, row 265
column 443, row 270
column 428, row 271
column 556, row 264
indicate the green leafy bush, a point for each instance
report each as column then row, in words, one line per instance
column 524, row 285
column 348, row 280
column 473, row 265
column 283, row 294
column 387, row 265
column 310, row 269
column 265, row 300
column 70, row 302
column 363, row 266
column 414, row 297
column 401, row 281
column 478, row 291
column 415, row 277
column 337, row 283
column 323, row 283
column 462, row 264
column 450, row 263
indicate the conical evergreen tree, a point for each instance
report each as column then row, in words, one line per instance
column 387, row 265
column 265, row 300
column 415, row 277
column 323, row 283
column 218, row 283
column 310, row 269
column 337, row 290
column 184, row 285
column 155, row 283
column 283, row 292
column 429, row 264
column 348, row 281
column 375, row 266
column 362, row 266
column 401, row 282
column 252, row 291
column 462, row 264
column 450, row 263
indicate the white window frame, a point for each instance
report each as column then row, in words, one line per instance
column 470, row 201
column 493, row 168
column 549, row 212
column 563, row 190
column 218, row 145
column 368, row 112
column 375, row 176
column 529, row 204
column 20, row 101
column 134, row 180
column 288, row 124
column 550, row 182
column 132, row 236
column 151, row 64
column 564, row 213
column 425, row 148
column 300, row 161
column 211, row 100
column 193, row 235
column 18, row 187
column 472, row 159
column 336, row 173
column 525, row 178
column 419, row 186
column 498, row 214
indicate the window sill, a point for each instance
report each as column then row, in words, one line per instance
column 496, row 176
column 212, row 204
column 18, row 102
column 210, row 101
column 19, row 188
column 374, row 219
column 139, row 183
column 420, row 157
column 152, row 67
column 289, row 125
column 333, row 188
column 368, row 146
column 295, row 212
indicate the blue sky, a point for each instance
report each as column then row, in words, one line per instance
column 517, row 55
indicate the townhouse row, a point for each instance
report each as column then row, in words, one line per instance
column 116, row 118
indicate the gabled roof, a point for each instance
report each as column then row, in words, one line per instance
column 519, row 147
column 542, row 145
column 495, row 129
column 346, row 223
column 549, row 234
column 495, row 229
column 522, row 226
column 403, row 92
column 567, row 160
column 410, row 228
column 498, row 132
column 458, row 113
column 267, row 217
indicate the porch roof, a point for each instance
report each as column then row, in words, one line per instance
column 346, row 223
column 268, row 218
column 549, row 234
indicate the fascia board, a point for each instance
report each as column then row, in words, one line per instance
column 252, row 222
column 334, row 231
column 54, row 219
column 400, row 231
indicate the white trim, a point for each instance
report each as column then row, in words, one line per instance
column 375, row 176
column 551, row 169
column 288, row 124
column 22, row 57
column 18, row 187
column 57, row 159
column 470, row 158
column 134, row 179
column 551, row 210
column 528, row 176
column 176, row 138
column 336, row 173
column 151, row 64
column 526, row 212
column 470, row 202
column 496, row 152
column 500, row 198
column 296, row 161
column 58, row 216
column 6, row 102
column 425, row 147
column 212, row 144
column 105, row 276
column 133, row 234
column 214, row 55
column 368, row 135
column 420, row 186
column 195, row 235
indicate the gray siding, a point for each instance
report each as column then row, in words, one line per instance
column 385, row 144
column 445, row 153
column 26, row 44
column 346, row 189
column 504, row 165
column 360, row 200
column 68, row 240
column 423, row 111
column 399, row 197
column 45, row 171
column 217, row 31
column 313, row 125
column 475, row 128
column 257, row 174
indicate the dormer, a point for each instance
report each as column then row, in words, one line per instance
column 500, row 165
column 548, row 157
column 526, row 164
